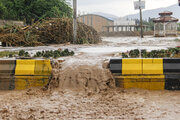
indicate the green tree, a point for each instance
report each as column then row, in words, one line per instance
column 178, row 27
column 3, row 10
column 150, row 24
column 29, row 10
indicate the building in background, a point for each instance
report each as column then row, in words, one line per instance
column 108, row 24
column 124, row 22
column 98, row 22
column 165, row 25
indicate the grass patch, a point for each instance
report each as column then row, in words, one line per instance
column 43, row 54
column 8, row 54
column 177, row 40
column 169, row 53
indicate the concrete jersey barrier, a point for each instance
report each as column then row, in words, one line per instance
column 23, row 74
column 152, row 74
column 7, row 70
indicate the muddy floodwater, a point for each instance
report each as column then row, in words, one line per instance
column 84, row 89
column 132, row 104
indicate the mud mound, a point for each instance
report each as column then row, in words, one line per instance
column 81, row 78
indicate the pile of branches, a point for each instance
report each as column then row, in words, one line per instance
column 15, row 36
column 54, row 31
column 57, row 31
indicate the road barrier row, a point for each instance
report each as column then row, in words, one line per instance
column 152, row 74
column 23, row 74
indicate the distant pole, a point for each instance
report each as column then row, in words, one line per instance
column 74, row 21
column 141, row 22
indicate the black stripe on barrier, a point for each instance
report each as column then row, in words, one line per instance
column 7, row 66
column 172, row 82
column 7, row 82
column 7, row 71
column 116, row 66
column 171, row 65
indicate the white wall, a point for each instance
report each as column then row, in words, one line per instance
column 123, row 21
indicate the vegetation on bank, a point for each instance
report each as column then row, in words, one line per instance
column 54, row 54
column 171, row 52
column 33, row 10
column 8, row 54
column 40, row 54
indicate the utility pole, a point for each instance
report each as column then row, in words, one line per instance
column 141, row 22
column 74, row 21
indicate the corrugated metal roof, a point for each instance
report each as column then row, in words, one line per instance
column 99, row 16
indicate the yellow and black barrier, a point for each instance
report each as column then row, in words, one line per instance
column 23, row 74
column 152, row 74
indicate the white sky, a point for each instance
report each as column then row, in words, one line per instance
column 119, row 7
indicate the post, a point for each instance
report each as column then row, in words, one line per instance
column 154, row 29
column 141, row 22
column 74, row 21
column 164, row 27
column 141, row 26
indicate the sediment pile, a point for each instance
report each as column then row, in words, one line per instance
column 81, row 78
column 54, row 31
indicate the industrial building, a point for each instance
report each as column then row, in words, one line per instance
column 106, row 24
column 165, row 25
column 124, row 22
column 96, row 21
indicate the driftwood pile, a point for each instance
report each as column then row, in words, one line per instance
column 54, row 31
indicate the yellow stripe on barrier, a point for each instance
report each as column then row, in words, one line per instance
column 144, row 82
column 24, row 82
column 131, row 66
column 25, row 67
column 32, row 73
column 153, row 66
column 43, row 67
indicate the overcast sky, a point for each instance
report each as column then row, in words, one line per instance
column 119, row 7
